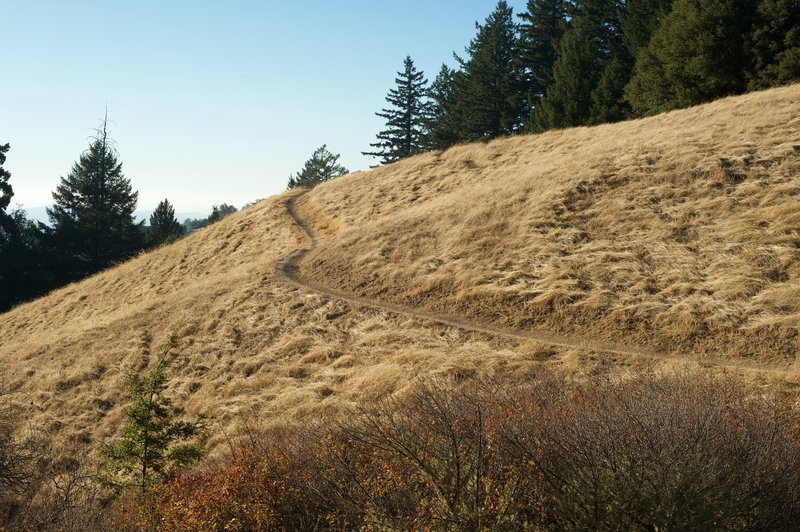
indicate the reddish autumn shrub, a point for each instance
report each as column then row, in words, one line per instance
column 264, row 490
column 239, row 496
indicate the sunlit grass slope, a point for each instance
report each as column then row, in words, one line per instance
column 679, row 233
column 252, row 348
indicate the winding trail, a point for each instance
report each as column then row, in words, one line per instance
column 288, row 269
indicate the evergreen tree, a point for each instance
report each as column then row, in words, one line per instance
column 6, row 192
column 543, row 26
column 218, row 212
column 625, row 31
column 26, row 269
column 406, row 120
column 321, row 167
column 190, row 225
column 24, row 272
column 92, row 217
column 595, row 61
column 697, row 54
column 775, row 44
column 614, row 62
column 442, row 132
column 622, row 29
column 8, row 234
column 164, row 227
column 489, row 98
column 639, row 20
column 590, row 71
column 150, row 443
column 608, row 97
column 576, row 73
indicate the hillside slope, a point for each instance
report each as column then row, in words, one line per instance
column 679, row 232
column 677, row 236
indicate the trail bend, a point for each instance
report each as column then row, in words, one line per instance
column 288, row 269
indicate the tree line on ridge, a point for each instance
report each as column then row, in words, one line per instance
column 568, row 63
column 92, row 226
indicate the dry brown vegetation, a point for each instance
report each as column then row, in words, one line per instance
column 671, row 451
column 680, row 232
column 677, row 235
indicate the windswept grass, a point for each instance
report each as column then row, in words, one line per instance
column 680, row 231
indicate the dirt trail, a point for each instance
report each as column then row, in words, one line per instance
column 289, row 269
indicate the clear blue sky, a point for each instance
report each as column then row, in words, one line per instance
column 209, row 102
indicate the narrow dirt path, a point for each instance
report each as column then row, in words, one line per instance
column 289, row 269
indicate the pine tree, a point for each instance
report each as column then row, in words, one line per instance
column 625, row 30
column 406, row 120
column 775, row 44
column 164, row 227
column 576, row 73
column 6, row 192
column 636, row 22
column 595, row 60
column 639, row 20
column 697, row 54
column 26, row 269
column 8, row 233
column 218, row 212
column 537, row 48
column 150, row 444
column 442, row 132
column 590, row 71
column 489, row 99
column 321, row 167
column 92, row 217
column 24, row 264
column 614, row 61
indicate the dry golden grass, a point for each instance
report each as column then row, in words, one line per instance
column 251, row 345
column 678, row 233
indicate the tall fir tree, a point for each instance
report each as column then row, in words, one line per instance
column 8, row 233
column 6, row 192
column 639, row 20
column 603, row 27
column 164, row 226
column 775, row 44
column 406, row 120
column 568, row 101
column 322, row 166
column 635, row 23
column 489, row 99
column 92, row 216
column 442, row 131
column 595, row 61
column 697, row 54
column 540, row 32
column 23, row 263
column 26, row 265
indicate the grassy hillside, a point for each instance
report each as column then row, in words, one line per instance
column 677, row 235
column 679, row 232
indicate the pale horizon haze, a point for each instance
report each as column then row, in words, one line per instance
column 209, row 102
